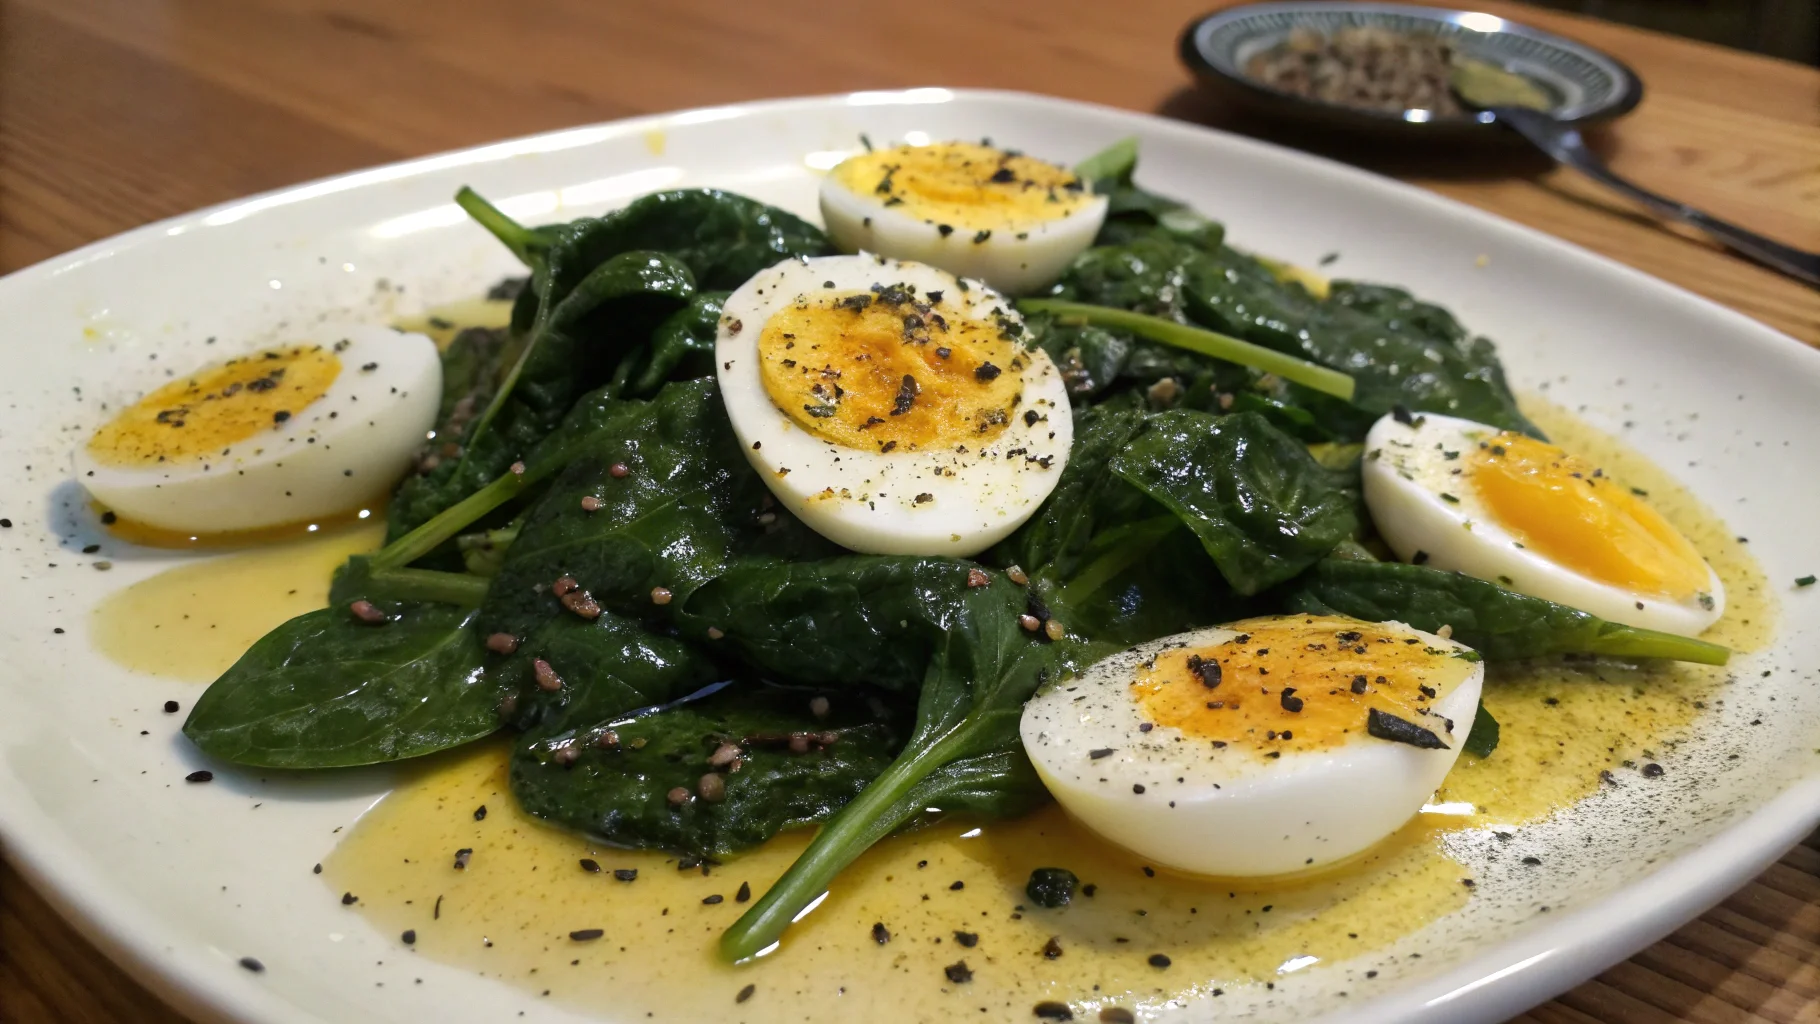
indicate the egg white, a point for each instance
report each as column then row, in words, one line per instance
column 1017, row 261
column 346, row 447
column 1228, row 811
column 975, row 498
column 1406, row 470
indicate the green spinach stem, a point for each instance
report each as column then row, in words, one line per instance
column 454, row 588
column 484, row 554
column 454, row 519
column 513, row 235
column 1207, row 343
column 1114, row 162
column 1133, row 542
column 1634, row 642
column 871, row 816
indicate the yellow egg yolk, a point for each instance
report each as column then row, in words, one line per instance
column 1299, row 683
column 205, row 414
column 966, row 187
column 887, row 370
column 1569, row 512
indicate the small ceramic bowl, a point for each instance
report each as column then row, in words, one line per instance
column 1582, row 84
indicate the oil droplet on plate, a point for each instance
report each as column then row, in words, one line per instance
column 442, row 323
column 511, row 910
column 196, row 619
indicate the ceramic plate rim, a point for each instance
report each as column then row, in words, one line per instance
column 1540, row 962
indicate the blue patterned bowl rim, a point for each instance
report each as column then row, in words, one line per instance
column 1586, row 84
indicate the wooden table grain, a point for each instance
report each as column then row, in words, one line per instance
column 115, row 112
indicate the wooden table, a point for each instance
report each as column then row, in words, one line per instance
column 117, row 113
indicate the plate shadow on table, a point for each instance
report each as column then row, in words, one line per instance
column 1495, row 158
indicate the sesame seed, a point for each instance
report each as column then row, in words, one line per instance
column 366, row 612
column 547, row 679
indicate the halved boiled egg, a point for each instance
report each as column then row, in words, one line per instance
column 276, row 437
column 891, row 406
column 1267, row 746
column 1011, row 220
column 1507, row 508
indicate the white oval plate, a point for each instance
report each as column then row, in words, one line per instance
column 178, row 882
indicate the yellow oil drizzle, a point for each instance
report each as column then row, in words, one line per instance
column 193, row 621
column 510, row 913
column 146, row 535
column 1563, row 724
column 444, row 322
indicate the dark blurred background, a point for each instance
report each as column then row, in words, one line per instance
column 1789, row 29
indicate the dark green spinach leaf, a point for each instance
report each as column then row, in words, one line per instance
column 1397, row 354
column 620, row 790
column 608, row 666
column 857, row 620
column 1397, row 350
column 1113, row 565
column 724, row 238
column 1261, row 505
column 327, row 690
column 471, row 366
column 1087, row 499
column 1483, row 739
column 686, row 503
column 981, row 666
column 573, row 346
column 682, row 347
column 1151, row 578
